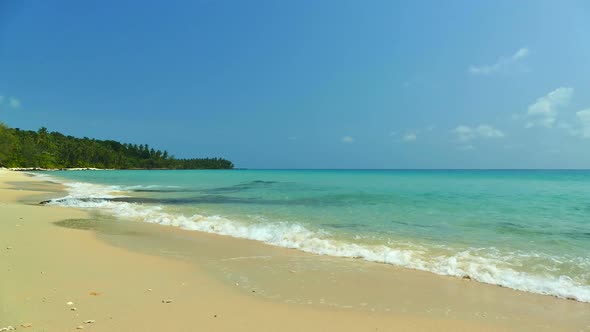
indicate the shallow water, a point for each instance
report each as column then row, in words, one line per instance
column 527, row 230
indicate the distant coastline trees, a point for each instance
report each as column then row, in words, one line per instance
column 44, row 149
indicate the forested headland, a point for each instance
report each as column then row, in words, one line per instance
column 54, row 150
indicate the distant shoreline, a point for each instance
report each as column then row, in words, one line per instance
column 41, row 169
column 43, row 150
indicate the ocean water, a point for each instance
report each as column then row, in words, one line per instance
column 527, row 230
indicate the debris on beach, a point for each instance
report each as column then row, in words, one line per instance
column 70, row 303
column 166, row 301
column 149, row 289
column 8, row 328
column 25, row 325
column 94, row 293
column 79, row 327
column 90, row 321
column 8, row 248
column 73, row 308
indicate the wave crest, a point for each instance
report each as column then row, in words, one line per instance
column 471, row 263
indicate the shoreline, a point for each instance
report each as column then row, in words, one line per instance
column 40, row 169
column 127, row 258
column 459, row 263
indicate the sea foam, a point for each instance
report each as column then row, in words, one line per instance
column 464, row 263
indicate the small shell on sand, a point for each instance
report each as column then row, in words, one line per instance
column 70, row 303
column 79, row 327
column 73, row 309
column 25, row 325
column 90, row 321
column 166, row 301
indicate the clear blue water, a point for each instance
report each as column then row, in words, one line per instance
column 528, row 230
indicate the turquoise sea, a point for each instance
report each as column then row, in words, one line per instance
column 523, row 229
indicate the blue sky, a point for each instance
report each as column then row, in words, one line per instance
column 308, row 84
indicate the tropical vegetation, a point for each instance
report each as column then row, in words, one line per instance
column 44, row 149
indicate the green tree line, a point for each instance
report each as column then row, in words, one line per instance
column 44, row 149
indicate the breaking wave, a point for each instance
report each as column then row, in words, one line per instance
column 476, row 264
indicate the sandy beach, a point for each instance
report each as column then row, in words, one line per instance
column 65, row 269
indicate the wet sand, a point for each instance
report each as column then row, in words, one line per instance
column 117, row 273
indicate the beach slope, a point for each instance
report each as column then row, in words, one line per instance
column 63, row 279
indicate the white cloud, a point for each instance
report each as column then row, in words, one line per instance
column 10, row 102
column 13, row 102
column 584, row 120
column 580, row 126
column 502, row 63
column 347, row 139
column 543, row 112
column 489, row 131
column 466, row 134
column 569, row 128
column 409, row 137
column 521, row 53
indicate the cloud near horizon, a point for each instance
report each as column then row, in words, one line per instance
column 584, row 120
column 13, row 102
column 465, row 134
column 543, row 113
column 500, row 64
column 10, row 102
column 410, row 137
column 347, row 139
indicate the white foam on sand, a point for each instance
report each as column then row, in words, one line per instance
column 495, row 270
